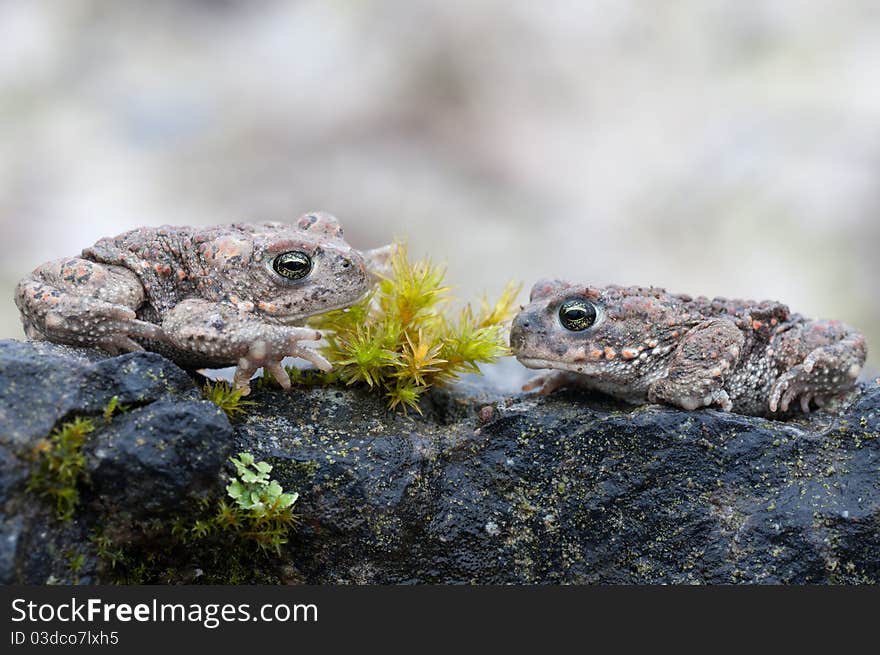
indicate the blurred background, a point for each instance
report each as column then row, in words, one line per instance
column 712, row 147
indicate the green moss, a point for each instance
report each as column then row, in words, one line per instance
column 107, row 550
column 400, row 341
column 75, row 563
column 227, row 542
column 226, row 398
column 112, row 407
column 60, row 466
column 298, row 377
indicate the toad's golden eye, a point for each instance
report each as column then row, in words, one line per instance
column 577, row 315
column 293, row 265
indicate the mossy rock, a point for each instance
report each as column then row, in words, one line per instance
column 487, row 486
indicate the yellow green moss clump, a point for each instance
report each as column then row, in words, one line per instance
column 60, row 465
column 400, row 341
column 226, row 398
column 112, row 407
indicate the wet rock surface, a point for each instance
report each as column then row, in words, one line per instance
column 148, row 460
column 166, row 449
column 485, row 487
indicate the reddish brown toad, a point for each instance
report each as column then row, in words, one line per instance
column 643, row 344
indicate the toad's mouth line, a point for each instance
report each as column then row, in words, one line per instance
column 580, row 367
column 293, row 319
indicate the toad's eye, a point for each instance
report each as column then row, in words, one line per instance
column 577, row 315
column 293, row 265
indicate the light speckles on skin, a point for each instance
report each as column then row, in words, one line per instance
column 204, row 297
column 742, row 356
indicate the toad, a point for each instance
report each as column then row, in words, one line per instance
column 205, row 297
column 642, row 344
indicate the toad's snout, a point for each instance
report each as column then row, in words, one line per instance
column 519, row 332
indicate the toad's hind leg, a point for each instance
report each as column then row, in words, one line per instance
column 835, row 354
column 79, row 302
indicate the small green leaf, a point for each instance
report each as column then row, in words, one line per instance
column 273, row 490
column 286, row 500
column 249, row 477
column 234, row 489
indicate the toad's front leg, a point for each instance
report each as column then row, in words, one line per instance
column 547, row 383
column 700, row 366
column 220, row 331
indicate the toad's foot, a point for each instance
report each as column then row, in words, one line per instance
column 693, row 399
column 269, row 355
column 546, row 384
column 835, row 354
column 795, row 384
column 221, row 332
column 826, row 374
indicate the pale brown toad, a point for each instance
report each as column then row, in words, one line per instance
column 204, row 297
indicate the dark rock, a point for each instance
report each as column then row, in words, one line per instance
column 486, row 487
column 12, row 474
column 164, row 449
column 152, row 460
column 573, row 488
column 10, row 531
column 42, row 383
column 43, row 550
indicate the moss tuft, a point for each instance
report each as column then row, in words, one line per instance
column 227, row 398
column 60, row 466
column 399, row 340
column 112, row 407
column 262, row 512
